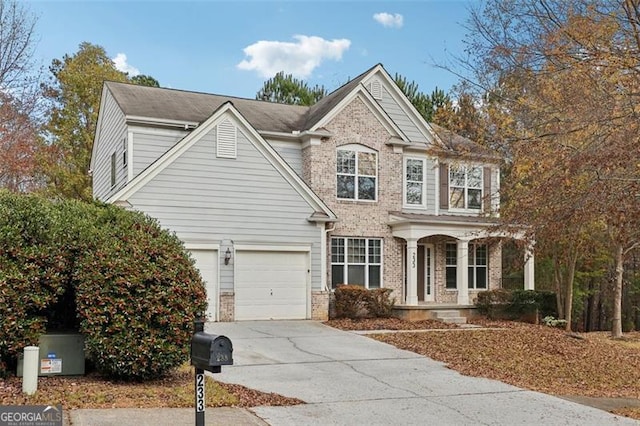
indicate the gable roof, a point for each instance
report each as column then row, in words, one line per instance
column 196, row 107
column 227, row 110
column 180, row 106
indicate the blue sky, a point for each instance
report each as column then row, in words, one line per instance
column 231, row 47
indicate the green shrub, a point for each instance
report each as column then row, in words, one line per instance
column 379, row 303
column 137, row 295
column 113, row 275
column 31, row 272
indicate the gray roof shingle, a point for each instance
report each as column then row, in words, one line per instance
column 179, row 105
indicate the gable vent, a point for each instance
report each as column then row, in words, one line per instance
column 376, row 89
column 226, row 140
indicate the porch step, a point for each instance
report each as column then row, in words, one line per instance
column 450, row 316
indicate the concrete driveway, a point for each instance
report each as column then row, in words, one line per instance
column 348, row 379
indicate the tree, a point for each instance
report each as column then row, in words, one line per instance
column 285, row 89
column 19, row 99
column 19, row 171
column 426, row 105
column 566, row 73
column 144, row 80
column 75, row 94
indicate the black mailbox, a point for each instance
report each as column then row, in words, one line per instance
column 210, row 351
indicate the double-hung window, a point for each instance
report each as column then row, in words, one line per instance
column 477, row 266
column 465, row 187
column 414, row 182
column 356, row 261
column 451, row 262
column 356, row 173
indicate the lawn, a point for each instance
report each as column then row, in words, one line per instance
column 530, row 356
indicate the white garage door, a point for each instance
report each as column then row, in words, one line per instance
column 207, row 263
column 271, row 285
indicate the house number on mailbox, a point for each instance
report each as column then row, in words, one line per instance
column 199, row 393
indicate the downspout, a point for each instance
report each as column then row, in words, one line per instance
column 324, row 254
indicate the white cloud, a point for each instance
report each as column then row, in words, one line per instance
column 120, row 61
column 299, row 58
column 391, row 20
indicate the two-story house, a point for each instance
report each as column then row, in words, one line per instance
column 279, row 204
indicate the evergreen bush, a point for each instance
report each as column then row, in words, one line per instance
column 114, row 275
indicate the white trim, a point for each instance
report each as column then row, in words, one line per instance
column 202, row 246
column 436, row 172
column 96, row 136
column 422, row 205
column 226, row 111
column 345, row 264
column 129, row 156
column 272, row 247
column 466, row 188
column 323, row 256
column 428, row 297
column 137, row 119
column 357, row 148
column 400, row 98
column 216, row 287
column 360, row 92
column 226, row 140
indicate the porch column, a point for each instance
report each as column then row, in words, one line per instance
column 411, row 298
column 529, row 273
column 463, row 272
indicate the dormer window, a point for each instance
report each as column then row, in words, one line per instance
column 357, row 173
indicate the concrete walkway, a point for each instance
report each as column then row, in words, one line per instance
column 348, row 379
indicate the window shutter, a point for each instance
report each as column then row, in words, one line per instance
column 487, row 189
column 226, row 140
column 444, row 186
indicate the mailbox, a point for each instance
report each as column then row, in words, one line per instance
column 210, row 351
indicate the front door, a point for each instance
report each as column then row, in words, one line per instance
column 425, row 273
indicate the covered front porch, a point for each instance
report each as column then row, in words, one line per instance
column 449, row 259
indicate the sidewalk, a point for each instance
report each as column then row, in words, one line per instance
column 160, row 417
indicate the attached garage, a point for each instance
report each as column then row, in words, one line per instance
column 271, row 284
column 207, row 264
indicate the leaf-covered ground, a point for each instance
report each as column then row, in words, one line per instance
column 530, row 356
column 176, row 390
column 536, row 357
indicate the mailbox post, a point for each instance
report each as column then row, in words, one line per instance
column 208, row 352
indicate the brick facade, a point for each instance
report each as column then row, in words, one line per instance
column 227, row 306
column 356, row 124
column 320, row 305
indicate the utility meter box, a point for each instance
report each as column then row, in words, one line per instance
column 61, row 354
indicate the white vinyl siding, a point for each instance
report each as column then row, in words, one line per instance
column 150, row 144
column 291, row 152
column 400, row 117
column 204, row 198
column 112, row 130
column 226, row 140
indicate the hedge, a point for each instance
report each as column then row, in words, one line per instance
column 354, row 301
column 115, row 276
column 513, row 304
